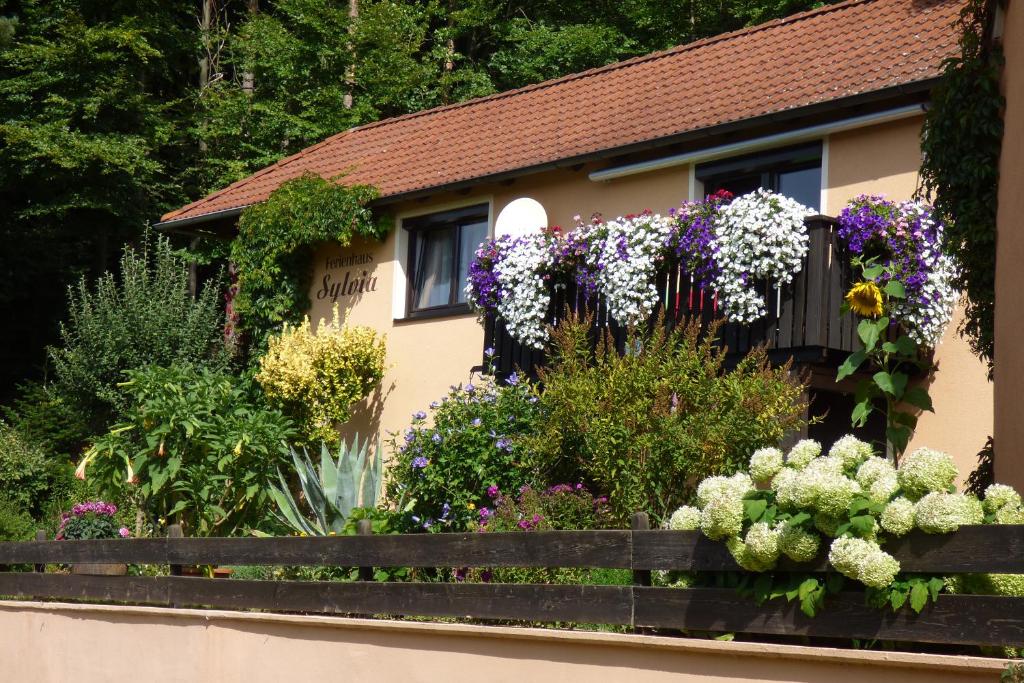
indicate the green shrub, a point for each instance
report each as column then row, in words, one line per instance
column 25, row 472
column 442, row 469
column 558, row 507
column 15, row 523
column 645, row 427
column 198, row 446
column 147, row 315
column 44, row 417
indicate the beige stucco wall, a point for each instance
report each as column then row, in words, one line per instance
column 427, row 356
column 1009, row 323
column 55, row 643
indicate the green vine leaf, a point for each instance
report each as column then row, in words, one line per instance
column 918, row 596
column 919, row 398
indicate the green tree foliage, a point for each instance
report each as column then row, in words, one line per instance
column 646, row 426
column 961, row 141
column 113, row 112
column 147, row 315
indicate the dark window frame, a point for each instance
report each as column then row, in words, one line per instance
column 770, row 165
column 416, row 226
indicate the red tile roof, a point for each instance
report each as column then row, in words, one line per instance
column 810, row 58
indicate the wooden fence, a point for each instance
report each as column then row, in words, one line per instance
column 803, row 320
column 964, row 619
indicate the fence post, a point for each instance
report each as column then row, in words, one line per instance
column 364, row 527
column 174, row 531
column 640, row 522
column 41, row 536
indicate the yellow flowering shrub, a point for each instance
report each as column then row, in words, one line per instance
column 317, row 376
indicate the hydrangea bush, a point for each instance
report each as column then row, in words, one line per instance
column 845, row 503
column 727, row 244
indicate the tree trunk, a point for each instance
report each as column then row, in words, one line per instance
column 248, row 78
column 350, row 72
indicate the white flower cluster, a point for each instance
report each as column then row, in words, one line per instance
column 760, row 235
column 524, row 299
column 924, row 471
column 626, row 262
column 824, row 488
column 926, row 318
column 864, row 561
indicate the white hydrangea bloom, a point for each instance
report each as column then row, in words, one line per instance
column 686, row 518
column 832, row 493
column 999, row 496
column 765, row 463
column 941, row 513
column 762, row 543
column 736, row 486
column 1009, row 514
column 722, row 517
column 926, row 470
column 790, row 492
column 873, row 469
column 851, row 450
column 797, row 544
column 884, row 488
column 801, row 454
column 523, row 299
column 760, row 235
column 826, row 524
column 898, row 517
column 864, row 561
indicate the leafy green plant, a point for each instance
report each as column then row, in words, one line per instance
column 197, row 447
column 890, row 364
column 474, row 440
column 341, row 485
column 646, row 426
column 961, row 141
column 15, row 523
column 25, row 472
column 92, row 520
column 315, row 378
column 275, row 245
column 145, row 316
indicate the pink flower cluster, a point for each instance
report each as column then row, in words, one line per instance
column 97, row 506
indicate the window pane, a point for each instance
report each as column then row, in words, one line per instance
column 803, row 185
column 434, row 267
column 470, row 238
column 741, row 184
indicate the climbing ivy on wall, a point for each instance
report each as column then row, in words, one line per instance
column 274, row 249
column 961, row 141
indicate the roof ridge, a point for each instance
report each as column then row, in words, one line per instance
column 614, row 66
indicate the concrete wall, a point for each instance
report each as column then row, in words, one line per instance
column 1009, row 325
column 426, row 356
column 55, row 643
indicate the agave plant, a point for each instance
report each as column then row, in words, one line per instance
column 348, row 482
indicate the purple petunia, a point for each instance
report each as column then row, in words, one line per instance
column 418, row 463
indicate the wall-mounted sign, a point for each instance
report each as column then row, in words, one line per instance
column 357, row 279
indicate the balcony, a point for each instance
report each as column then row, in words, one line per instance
column 803, row 322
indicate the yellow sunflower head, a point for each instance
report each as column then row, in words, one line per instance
column 865, row 299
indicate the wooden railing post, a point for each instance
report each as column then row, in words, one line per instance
column 41, row 536
column 640, row 522
column 364, row 527
column 174, row 531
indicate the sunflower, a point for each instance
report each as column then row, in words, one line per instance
column 865, row 299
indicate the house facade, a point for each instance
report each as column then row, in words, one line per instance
column 823, row 106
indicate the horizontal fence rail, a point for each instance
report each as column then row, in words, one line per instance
column 803, row 320
column 964, row 619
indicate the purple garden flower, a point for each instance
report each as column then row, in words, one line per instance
column 493, row 491
column 436, row 438
column 419, row 415
column 512, row 380
column 419, row 463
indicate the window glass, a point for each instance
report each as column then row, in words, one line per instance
column 434, row 267
column 470, row 237
column 794, row 172
column 803, row 185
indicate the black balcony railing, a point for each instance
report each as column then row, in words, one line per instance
column 803, row 321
